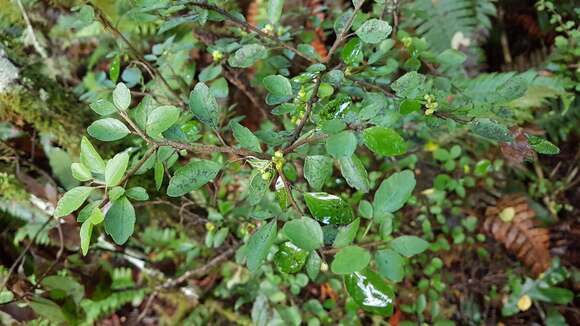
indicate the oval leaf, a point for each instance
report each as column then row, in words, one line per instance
column 192, row 176
column 161, row 119
column 120, row 220
column 108, row 129
column 259, row 245
column 328, row 209
column 384, row 141
column 317, row 169
column 72, row 200
column 116, row 168
column 305, row 233
column 350, row 259
column 204, row 105
column 370, row 292
column 394, row 192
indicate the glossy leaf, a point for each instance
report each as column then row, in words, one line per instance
column 304, row 233
column 192, row 176
column 350, row 259
column 290, row 258
column 328, row 209
column 370, row 292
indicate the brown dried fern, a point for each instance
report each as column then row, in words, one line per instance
column 512, row 223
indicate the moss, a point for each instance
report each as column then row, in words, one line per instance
column 11, row 189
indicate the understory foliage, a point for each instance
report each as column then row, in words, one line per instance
column 235, row 172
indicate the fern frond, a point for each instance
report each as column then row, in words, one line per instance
column 97, row 309
column 439, row 20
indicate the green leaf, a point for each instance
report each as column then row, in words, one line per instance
column 275, row 11
column 317, row 169
column 72, row 200
column 342, row 144
column 384, row 141
column 390, row 265
column 328, row 209
column 47, row 309
column 313, row 265
column 137, row 193
column 161, row 119
column 352, row 52
column 394, row 192
column 451, row 57
column 210, row 72
column 97, row 216
column 90, row 157
column 81, row 172
column 192, row 176
column 346, row 234
column 409, row 106
column 245, row 137
column 370, row 292
column 6, row 296
column 204, row 105
column 115, row 69
column 409, row 245
column 306, row 233
column 542, row 145
column 219, row 88
column 116, row 193
column 259, row 245
column 290, row 258
column 365, row 209
column 354, row 173
column 85, row 213
column 258, row 187
column 103, row 107
column 116, row 168
column 120, row 220
column 491, row 130
column 121, row 97
column 350, row 259
column 158, row 174
column 85, row 234
column 247, row 55
column 277, row 85
column 410, row 85
column 374, row 31
column 108, row 129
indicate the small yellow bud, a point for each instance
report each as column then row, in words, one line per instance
column 524, row 303
column 507, row 214
column 217, row 55
column 209, row 226
column 431, row 146
column 407, row 41
column 324, row 267
column 429, row 111
column 266, row 176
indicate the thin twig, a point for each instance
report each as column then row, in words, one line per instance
column 251, row 28
column 343, row 33
column 30, row 31
column 304, row 141
column 309, row 106
column 288, row 190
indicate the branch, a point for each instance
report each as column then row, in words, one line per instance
column 251, row 28
column 286, row 184
column 309, row 106
column 208, row 149
column 342, row 36
column 304, row 141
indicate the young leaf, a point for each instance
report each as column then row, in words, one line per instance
column 116, row 193
column 85, row 234
column 161, row 119
column 137, row 193
column 352, row 51
column 97, row 216
column 328, row 209
column 346, row 234
column 409, row 245
column 115, row 69
column 259, row 245
column 247, row 55
column 72, row 200
column 103, row 107
column 81, row 172
column 245, row 137
column 204, row 105
column 394, row 192
column 158, row 174
column 543, row 146
column 354, row 173
column 384, row 141
column 350, row 259
column 121, row 97
column 390, row 265
column 192, row 176
column 108, row 129
column 317, row 169
column 116, row 168
column 342, row 144
column 86, row 212
column 120, row 220
column 370, row 292
column 374, row 30
column 277, row 85
column 305, row 233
